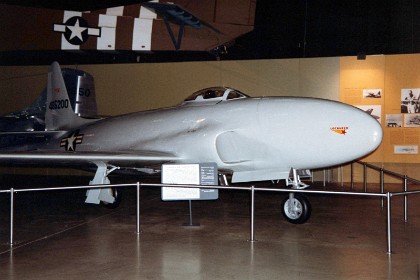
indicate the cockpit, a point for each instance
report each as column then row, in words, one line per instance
column 214, row 95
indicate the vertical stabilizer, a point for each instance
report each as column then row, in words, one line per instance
column 60, row 114
column 80, row 87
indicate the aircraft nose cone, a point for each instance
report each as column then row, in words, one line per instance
column 317, row 133
column 376, row 135
column 368, row 134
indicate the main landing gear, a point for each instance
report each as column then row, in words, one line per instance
column 108, row 197
column 296, row 208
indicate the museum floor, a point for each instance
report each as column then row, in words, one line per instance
column 59, row 237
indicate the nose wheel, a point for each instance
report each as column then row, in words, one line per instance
column 296, row 208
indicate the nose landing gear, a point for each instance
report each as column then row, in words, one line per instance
column 296, row 208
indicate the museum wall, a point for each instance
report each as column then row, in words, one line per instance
column 393, row 76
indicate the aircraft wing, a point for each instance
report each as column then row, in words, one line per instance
column 87, row 159
column 136, row 27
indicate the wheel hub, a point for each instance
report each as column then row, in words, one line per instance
column 293, row 208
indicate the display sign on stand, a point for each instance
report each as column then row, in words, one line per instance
column 189, row 174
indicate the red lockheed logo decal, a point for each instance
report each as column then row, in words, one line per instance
column 340, row 129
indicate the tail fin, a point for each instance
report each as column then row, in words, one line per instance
column 60, row 113
column 81, row 90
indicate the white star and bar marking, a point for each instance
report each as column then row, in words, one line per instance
column 71, row 142
column 77, row 30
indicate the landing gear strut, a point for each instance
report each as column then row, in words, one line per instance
column 108, row 197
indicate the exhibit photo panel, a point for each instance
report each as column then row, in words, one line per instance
column 387, row 87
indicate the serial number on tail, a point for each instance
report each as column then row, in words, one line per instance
column 59, row 104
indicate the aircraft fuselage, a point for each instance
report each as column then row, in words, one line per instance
column 256, row 138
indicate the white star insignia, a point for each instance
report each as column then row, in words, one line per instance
column 76, row 30
column 70, row 142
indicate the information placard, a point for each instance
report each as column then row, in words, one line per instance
column 190, row 174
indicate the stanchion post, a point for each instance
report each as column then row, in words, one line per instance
column 252, row 239
column 382, row 183
column 388, row 220
column 405, row 199
column 12, row 206
column 138, row 209
column 365, row 177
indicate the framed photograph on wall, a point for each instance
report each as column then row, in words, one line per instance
column 410, row 100
column 393, row 120
column 412, row 120
column 374, row 110
column 372, row 93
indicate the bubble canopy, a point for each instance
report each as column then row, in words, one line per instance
column 215, row 94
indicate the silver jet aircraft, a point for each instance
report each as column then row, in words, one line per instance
column 253, row 139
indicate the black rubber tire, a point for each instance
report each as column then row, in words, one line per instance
column 302, row 211
column 117, row 193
